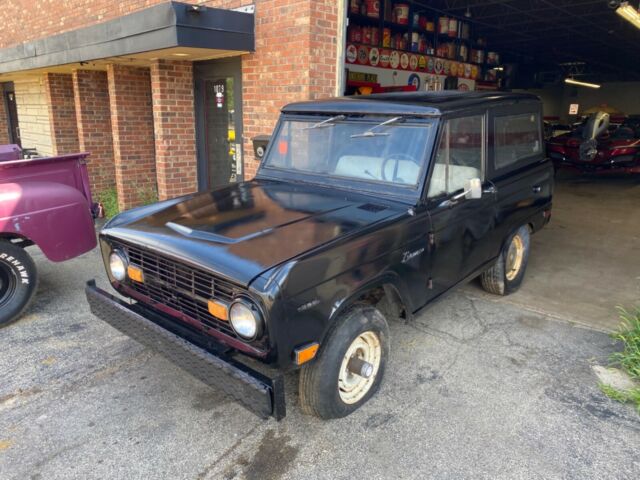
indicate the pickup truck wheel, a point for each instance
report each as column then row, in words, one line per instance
column 349, row 367
column 18, row 281
column 506, row 275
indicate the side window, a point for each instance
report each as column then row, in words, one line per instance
column 459, row 156
column 516, row 137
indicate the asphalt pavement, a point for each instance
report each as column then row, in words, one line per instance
column 476, row 387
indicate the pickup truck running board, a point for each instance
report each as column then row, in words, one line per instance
column 260, row 394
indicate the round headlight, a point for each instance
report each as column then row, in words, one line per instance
column 118, row 265
column 245, row 320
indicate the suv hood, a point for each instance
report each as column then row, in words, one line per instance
column 247, row 228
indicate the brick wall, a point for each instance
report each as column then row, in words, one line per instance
column 4, row 120
column 174, row 125
column 93, row 114
column 295, row 59
column 62, row 113
column 33, row 114
column 132, row 130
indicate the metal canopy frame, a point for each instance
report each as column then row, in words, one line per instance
column 164, row 26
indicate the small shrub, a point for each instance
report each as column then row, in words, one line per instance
column 147, row 196
column 109, row 200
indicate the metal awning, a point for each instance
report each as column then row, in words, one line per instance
column 160, row 31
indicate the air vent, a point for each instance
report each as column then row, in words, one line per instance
column 371, row 207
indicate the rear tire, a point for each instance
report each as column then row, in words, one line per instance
column 18, row 282
column 327, row 387
column 506, row 275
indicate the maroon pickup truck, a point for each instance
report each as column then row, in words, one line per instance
column 44, row 202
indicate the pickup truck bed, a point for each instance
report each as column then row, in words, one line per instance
column 47, row 201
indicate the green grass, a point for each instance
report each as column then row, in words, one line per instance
column 629, row 358
column 627, row 396
column 109, row 200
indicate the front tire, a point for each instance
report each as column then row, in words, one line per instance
column 506, row 275
column 18, row 282
column 328, row 388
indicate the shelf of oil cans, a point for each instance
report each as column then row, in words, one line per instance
column 408, row 34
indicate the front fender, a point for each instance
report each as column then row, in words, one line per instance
column 388, row 279
column 309, row 316
column 54, row 216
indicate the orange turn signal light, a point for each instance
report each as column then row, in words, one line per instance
column 135, row 273
column 305, row 353
column 218, row 309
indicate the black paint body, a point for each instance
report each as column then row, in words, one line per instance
column 305, row 251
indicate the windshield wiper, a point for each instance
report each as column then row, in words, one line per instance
column 326, row 123
column 371, row 133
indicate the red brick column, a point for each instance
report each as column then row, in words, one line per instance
column 93, row 114
column 62, row 113
column 4, row 120
column 295, row 59
column 132, row 129
column 174, row 125
column 323, row 48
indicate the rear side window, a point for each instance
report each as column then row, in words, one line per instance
column 516, row 137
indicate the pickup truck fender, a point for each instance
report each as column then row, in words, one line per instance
column 54, row 216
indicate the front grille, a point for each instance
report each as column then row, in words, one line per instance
column 179, row 286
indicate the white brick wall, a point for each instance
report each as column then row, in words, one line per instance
column 33, row 115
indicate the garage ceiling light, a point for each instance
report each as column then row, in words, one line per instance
column 581, row 84
column 630, row 13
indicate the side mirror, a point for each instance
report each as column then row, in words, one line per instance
column 473, row 189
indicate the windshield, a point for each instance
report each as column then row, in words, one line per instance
column 389, row 150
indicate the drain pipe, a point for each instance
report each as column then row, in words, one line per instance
column 341, row 45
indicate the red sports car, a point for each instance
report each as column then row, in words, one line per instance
column 593, row 148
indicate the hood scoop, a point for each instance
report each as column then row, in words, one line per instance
column 213, row 237
column 372, row 207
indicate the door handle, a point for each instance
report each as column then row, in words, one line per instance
column 490, row 190
column 537, row 189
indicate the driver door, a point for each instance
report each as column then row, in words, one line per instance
column 462, row 229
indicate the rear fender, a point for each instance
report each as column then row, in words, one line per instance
column 54, row 216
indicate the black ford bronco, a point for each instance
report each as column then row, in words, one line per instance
column 364, row 210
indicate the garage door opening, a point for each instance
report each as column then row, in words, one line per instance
column 581, row 58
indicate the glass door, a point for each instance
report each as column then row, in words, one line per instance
column 219, row 123
column 11, row 111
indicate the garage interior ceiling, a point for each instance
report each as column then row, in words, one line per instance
column 552, row 33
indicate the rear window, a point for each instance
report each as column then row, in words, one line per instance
column 516, row 137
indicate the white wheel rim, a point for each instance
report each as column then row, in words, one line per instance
column 351, row 387
column 515, row 255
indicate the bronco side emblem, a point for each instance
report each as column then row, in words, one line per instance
column 406, row 256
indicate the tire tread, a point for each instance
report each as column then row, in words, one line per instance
column 26, row 260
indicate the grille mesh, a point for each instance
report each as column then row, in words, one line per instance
column 179, row 286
